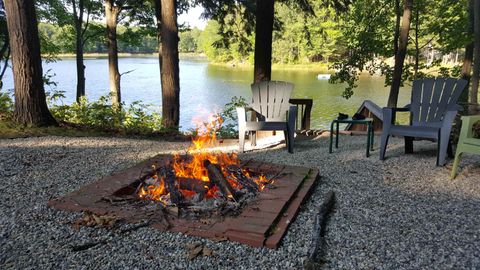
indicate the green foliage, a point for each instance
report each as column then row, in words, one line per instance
column 207, row 41
column 189, row 41
column 100, row 115
column 229, row 115
column 6, row 104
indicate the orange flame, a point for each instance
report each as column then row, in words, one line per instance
column 206, row 138
column 193, row 167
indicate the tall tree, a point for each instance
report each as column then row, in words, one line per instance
column 30, row 103
column 466, row 72
column 263, row 40
column 5, row 45
column 112, row 11
column 401, row 53
column 81, row 11
column 169, row 64
column 78, row 14
column 476, row 57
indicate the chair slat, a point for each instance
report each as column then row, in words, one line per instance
column 415, row 101
column 271, row 99
column 426, row 98
column 446, row 99
column 437, row 94
column 459, row 87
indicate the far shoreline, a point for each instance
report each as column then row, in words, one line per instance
column 319, row 67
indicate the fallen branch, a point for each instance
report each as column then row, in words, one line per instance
column 87, row 245
column 136, row 227
column 318, row 241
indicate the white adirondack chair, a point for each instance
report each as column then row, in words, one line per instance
column 272, row 111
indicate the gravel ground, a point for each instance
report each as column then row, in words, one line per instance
column 403, row 213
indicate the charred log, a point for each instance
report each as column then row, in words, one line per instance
column 195, row 185
column 245, row 181
column 176, row 196
column 216, row 177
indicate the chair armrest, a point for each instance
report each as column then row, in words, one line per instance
column 404, row 109
column 388, row 114
column 470, row 119
column 242, row 113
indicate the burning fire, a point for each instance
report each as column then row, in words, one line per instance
column 195, row 167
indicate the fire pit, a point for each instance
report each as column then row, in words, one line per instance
column 202, row 193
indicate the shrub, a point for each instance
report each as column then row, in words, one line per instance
column 476, row 129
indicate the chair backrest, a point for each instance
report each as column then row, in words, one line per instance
column 432, row 97
column 270, row 99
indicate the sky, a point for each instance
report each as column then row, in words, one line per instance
column 192, row 18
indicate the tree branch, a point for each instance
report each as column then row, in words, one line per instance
column 126, row 72
column 6, row 64
column 89, row 9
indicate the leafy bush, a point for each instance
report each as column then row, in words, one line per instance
column 476, row 129
column 99, row 114
column 229, row 128
column 6, row 103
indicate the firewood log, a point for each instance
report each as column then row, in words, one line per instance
column 245, row 181
column 170, row 181
column 216, row 177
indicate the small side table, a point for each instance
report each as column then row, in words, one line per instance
column 370, row 133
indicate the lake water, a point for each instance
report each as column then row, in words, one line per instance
column 205, row 88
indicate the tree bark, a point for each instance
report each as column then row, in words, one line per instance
column 417, row 49
column 158, row 17
column 111, row 13
column 30, row 103
column 263, row 40
column 397, row 27
column 169, row 65
column 467, row 71
column 78, row 20
column 400, row 56
column 467, row 59
column 476, row 56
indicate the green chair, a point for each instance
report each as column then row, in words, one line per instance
column 466, row 143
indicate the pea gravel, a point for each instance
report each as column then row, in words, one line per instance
column 403, row 213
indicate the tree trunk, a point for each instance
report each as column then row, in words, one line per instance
column 169, row 65
column 111, row 14
column 397, row 27
column 79, row 51
column 158, row 17
column 476, row 57
column 400, row 56
column 30, row 103
column 467, row 71
column 263, row 40
column 417, row 49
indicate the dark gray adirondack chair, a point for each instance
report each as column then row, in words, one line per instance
column 432, row 111
column 272, row 111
